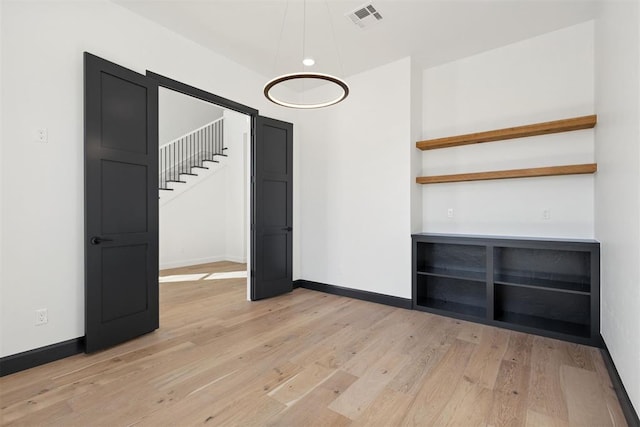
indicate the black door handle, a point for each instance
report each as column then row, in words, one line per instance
column 287, row 229
column 96, row 240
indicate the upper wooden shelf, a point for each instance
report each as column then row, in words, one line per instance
column 565, row 125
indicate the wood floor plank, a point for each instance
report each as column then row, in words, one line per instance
column 301, row 384
column 519, row 348
column 509, row 407
column 436, row 391
column 536, row 419
column 545, row 396
column 357, row 398
column 468, row 405
column 313, row 409
column 605, row 381
column 310, row 358
column 38, row 415
column 486, row 359
column 388, row 409
column 434, row 346
column 344, row 338
column 81, row 387
column 395, row 332
column 583, row 391
column 247, row 404
column 472, row 332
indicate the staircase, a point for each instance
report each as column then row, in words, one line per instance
column 186, row 155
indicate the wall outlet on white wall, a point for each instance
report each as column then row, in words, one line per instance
column 42, row 316
column 42, row 135
column 450, row 213
column 546, row 214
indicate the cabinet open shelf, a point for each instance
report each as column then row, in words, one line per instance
column 551, row 269
column 538, row 323
column 535, row 283
column 511, row 173
column 564, row 125
column 455, row 274
column 461, row 296
column 442, row 306
column 544, row 286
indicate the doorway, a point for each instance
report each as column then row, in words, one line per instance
column 121, row 201
column 203, row 205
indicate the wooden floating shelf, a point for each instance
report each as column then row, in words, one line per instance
column 565, row 125
column 513, row 173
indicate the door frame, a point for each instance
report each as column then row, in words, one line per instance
column 188, row 90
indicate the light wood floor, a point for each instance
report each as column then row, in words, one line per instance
column 309, row 358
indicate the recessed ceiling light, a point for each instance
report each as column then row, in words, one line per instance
column 308, row 62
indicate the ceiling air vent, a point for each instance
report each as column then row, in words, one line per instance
column 365, row 16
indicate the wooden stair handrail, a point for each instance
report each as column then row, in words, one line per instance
column 564, row 125
column 512, row 173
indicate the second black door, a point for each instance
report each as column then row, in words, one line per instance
column 272, row 220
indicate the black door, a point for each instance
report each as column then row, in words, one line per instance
column 121, row 204
column 271, row 252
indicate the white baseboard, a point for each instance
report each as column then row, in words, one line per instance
column 196, row 261
column 189, row 262
column 233, row 258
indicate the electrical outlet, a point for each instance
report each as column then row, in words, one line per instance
column 546, row 214
column 450, row 213
column 42, row 135
column 42, row 316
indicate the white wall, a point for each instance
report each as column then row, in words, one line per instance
column 617, row 208
column 192, row 225
column 545, row 78
column 43, row 210
column 180, row 114
column 355, row 179
column 237, row 133
column 416, row 155
column 1, row 170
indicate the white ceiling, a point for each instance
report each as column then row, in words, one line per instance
column 433, row 32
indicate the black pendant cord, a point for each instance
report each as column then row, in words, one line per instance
column 304, row 42
column 302, row 75
column 304, row 31
column 284, row 20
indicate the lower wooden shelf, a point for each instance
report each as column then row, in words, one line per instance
column 511, row 173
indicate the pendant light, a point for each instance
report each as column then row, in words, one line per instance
column 304, row 75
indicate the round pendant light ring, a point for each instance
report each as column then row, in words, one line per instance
column 314, row 76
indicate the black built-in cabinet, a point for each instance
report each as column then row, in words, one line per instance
column 548, row 287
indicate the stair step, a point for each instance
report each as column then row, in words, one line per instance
column 200, row 167
column 188, row 173
column 173, row 180
column 166, row 189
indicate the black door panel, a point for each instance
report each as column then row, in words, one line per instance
column 121, row 204
column 273, row 209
